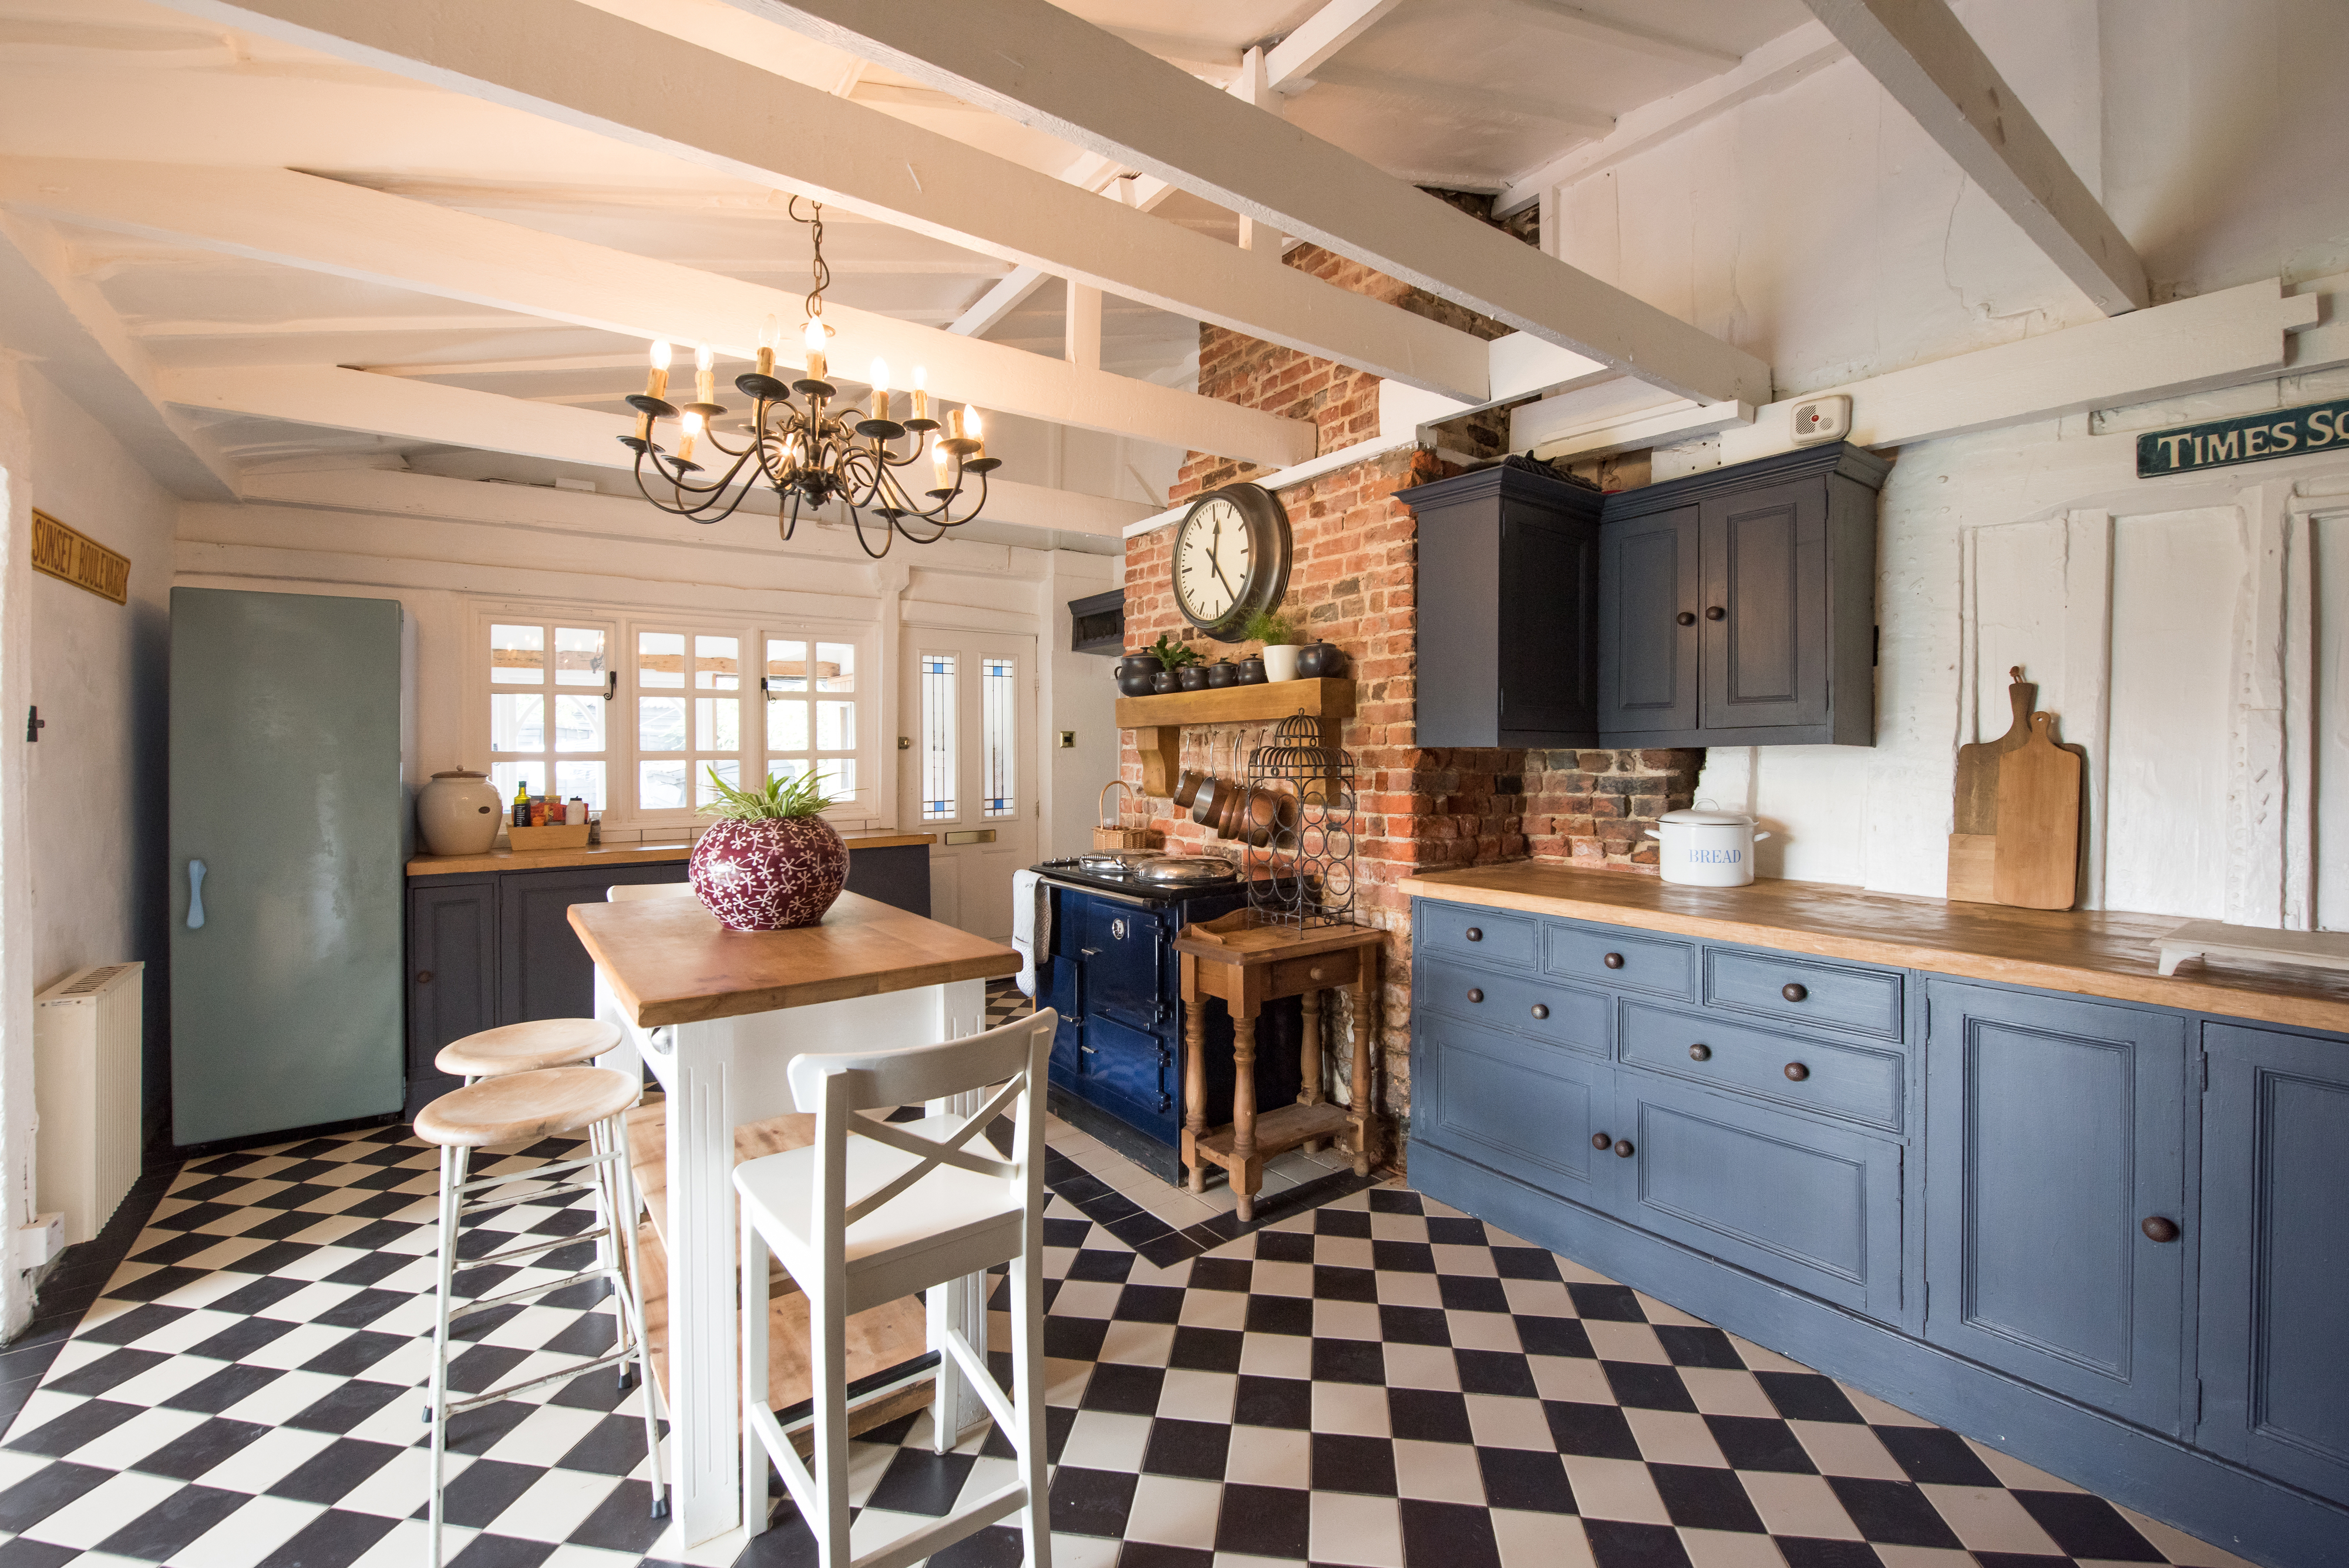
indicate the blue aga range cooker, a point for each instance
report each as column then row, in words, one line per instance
column 1111, row 970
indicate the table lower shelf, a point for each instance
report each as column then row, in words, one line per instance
column 1277, row 1132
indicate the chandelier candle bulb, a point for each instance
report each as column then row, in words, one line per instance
column 692, row 424
column 769, row 331
column 921, row 393
column 816, row 358
column 879, row 389
column 973, row 430
column 704, row 375
column 656, row 379
column 939, row 458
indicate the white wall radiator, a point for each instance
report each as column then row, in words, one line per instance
column 86, row 1033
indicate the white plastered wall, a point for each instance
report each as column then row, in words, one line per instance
column 16, row 848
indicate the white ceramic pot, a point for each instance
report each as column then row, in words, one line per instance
column 1706, row 849
column 458, row 813
column 1280, row 661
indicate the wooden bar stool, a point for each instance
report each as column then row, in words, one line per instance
column 527, row 1048
column 521, row 1107
column 874, row 1210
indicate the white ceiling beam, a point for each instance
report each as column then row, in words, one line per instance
column 58, row 319
column 1572, row 22
column 321, row 225
column 628, row 82
column 333, row 398
column 1083, row 334
column 1290, row 64
column 1473, row 103
column 158, row 328
column 1006, row 295
column 1931, row 67
column 1090, row 89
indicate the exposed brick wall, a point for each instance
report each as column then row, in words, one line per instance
column 1353, row 583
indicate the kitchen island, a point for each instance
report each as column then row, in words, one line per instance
column 717, row 1016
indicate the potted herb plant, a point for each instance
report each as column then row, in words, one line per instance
column 771, row 862
column 1172, row 658
column 1279, row 637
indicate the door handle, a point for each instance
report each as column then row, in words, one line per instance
column 195, row 895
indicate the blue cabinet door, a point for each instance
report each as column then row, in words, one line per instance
column 2055, row 1129
column 1525, row 1109
column 452, row 974
column 2275, row 1255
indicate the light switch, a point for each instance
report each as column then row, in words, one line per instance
column 1068, row 739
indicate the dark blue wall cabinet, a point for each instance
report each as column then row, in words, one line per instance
column 1995, row 1207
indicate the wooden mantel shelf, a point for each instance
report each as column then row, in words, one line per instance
column 1158, row 721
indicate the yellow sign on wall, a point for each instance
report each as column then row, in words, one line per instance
column 78, row 559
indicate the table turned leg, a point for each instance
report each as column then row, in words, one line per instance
column 1308, row 1058
column 1195, row 1072
column 1244, row 1174
column 1366, row 1037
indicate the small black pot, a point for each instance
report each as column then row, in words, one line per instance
column 1134, row 672
column 1162, row 683
column 1317, row 659
column 1223, row 673
column 1193, row 677
column 1251, row 671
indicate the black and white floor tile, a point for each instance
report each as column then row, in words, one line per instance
column 1364, row 1377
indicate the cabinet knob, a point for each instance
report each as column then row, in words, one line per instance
column 1686, row 617
column 1699, row 1052
column 1623, row 1150
column 1715, row 612
column 2157, row 1228
column 1313, row 973
column 1793, row 992
column 1601, row 1140
column 1797, row 1072
column 1541, row 1009
column 424, row 977
column 1475, row 993
column 1613, row 960
column 1474, row 933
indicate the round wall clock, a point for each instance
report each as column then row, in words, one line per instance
column 1231, row 559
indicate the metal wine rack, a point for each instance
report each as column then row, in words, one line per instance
column 1296, row 824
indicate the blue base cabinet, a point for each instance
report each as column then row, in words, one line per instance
column 2110, row 1239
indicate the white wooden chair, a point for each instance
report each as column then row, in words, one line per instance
column 621, row 892
column 875, row 1210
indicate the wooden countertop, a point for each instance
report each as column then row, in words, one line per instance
column 670, row 961
column 2090, row 953
column 613, row 855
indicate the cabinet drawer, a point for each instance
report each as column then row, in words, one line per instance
column 1620, row 961
column 1526, row 1110
column 1798, row 990
column 1560, row 1015
column 1292, row 977
column 1484, row 935
column 1840, row 1080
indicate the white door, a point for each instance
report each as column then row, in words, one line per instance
column 966, row 766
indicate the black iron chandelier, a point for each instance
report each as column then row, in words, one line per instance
column 812, row 452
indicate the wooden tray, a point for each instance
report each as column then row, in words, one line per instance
column 567, row 836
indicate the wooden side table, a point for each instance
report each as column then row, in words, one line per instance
column 1267, row 968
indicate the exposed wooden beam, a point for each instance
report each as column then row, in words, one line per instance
column 1471, row 102
column 1006, row 295
column 333, row 398
column 1931, row 66
column 1315, row 42
column 1573, row 22
column 644, row 87
column 323, row 225
column 1087, row 87
column 153, row 327
column 1084, row 328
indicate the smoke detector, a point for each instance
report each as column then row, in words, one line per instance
column 1817, row 420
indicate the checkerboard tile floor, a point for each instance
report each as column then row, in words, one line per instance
column 1366, row 1377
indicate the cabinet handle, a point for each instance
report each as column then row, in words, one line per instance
column 1797, row 1072
column 1541, row 1009
column 1601, row 1140
column 1715, row 612
column 1793, row 992
column 1686, row 617
column 1613, row 960
column 1474, row 994
column 1699, row 1052
column 424, row 977
column 2157, row 1228
column 1623, row 1150
column 1474, row 933
column 1087, row 1050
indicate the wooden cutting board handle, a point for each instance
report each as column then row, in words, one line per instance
column 2038, row 821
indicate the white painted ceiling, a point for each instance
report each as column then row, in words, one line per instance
column 1469, row 94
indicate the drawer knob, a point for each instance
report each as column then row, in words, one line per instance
column 1541, row 1009
column 424, row 977
column 1623, row 1150
column 1699, row 1052
column 1796, row 1072
column 1474, row 933
column 1613, row 960
column 1601, row 1140
column 2157, row 1228
column 1715, row 612
column 1475, row 993
column 1686, row 617
column 1793, row 992
column 1313, row 973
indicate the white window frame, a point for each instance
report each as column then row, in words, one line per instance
column 480, row 690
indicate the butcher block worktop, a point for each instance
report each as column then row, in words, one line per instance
column 613, row 855
column 2087, row 953
column 669, row 961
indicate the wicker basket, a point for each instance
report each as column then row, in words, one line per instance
column 1107, row 835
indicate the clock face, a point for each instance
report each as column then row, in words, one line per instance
column 1231, row 557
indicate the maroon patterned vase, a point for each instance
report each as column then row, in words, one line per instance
column 769, row 875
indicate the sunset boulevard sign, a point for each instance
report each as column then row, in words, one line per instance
column 2248, row 438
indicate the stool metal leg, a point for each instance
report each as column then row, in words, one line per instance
column 632, row 1300
column 453, row 1163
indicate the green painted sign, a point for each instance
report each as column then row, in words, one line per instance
column 2248, row 438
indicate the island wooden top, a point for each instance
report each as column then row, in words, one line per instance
column 613, row 855
column 670, row 961
column 2090, row 953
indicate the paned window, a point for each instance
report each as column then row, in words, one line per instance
column 938, row 737
column 998, row 722
column 549, row 684
column 811, row 697
column 689, row 717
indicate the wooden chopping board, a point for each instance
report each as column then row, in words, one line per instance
column 1973, row 809
column 2037, row 863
